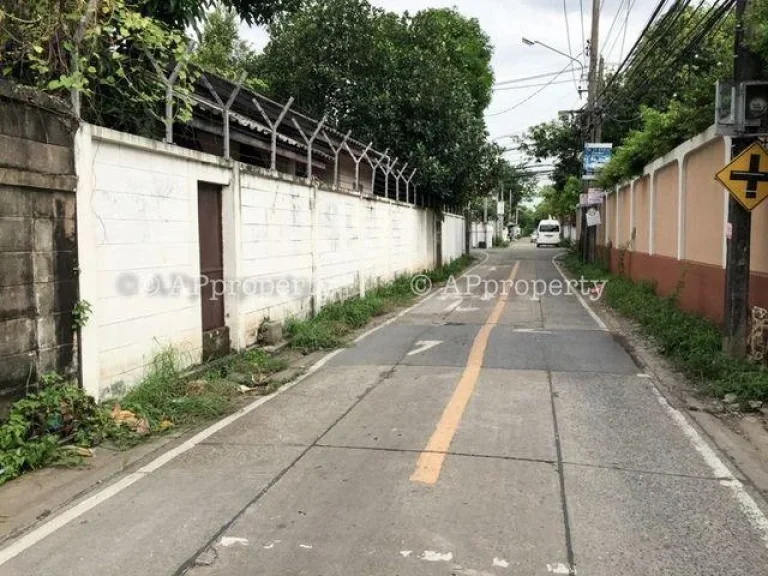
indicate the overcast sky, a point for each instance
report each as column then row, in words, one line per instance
column 507, row 22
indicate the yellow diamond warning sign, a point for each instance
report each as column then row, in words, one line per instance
column 746, row 177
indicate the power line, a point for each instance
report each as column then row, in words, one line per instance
column 623, row 28
column 583, row 34
column 708, row 23
column 658, row 63
column 506, row 88
column 626, row 28
column 526, row 78
column 624, row 63
column 568, row 36
column 662, row 62
column 613, row 24
column 711, row 21
column 666, row 25
column 524, row 100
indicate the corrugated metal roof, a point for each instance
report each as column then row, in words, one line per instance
column 257, row 126
column 243, row 105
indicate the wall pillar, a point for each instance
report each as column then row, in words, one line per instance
column 231, row 221
column 360, row 246
column 681, row 184
column 651, row 224
column 87, row 260
column 314, row 302
column 631, row 215
column 618, row 196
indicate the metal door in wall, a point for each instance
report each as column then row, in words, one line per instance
column 215, row 333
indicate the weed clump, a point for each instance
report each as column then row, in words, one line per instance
column 60, row 423
column 40, row 426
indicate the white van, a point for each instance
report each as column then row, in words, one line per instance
column 548, row 233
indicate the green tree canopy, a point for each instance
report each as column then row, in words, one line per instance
column 757, row 15
column 415, row 84
column 223, row 52
column 560, row 142
column 498, row 179
column 457, row 43
column 179, row 14
column 558, row 202
column 58, row 45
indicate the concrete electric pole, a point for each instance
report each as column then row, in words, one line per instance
column 594, row 56
column 746, row 66
column 589, row 234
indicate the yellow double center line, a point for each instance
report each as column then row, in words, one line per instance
column 431, row 459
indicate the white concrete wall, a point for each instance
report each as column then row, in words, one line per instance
column 482, row 233
column 275, row 246
column 453, row 237
column 138, row 232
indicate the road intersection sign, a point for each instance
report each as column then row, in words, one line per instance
column 746, row 177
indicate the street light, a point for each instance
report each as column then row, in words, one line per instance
column 528, row 42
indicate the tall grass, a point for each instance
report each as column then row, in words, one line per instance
column 162, row 394
column 165, row 393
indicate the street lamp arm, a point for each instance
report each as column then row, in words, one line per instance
column 548, row 47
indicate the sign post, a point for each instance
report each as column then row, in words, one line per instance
column 596, row 155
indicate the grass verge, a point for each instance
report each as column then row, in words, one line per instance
column 59, row 424
column 692, row 343
column 330, row 327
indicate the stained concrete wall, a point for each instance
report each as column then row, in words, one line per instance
column 625, row 218
column 610, row 225
column 140, row 233
column 38, row 261
column 704, row 205
column 686, row 233
column 641, row 198
column 665, row 211
column 454, row 235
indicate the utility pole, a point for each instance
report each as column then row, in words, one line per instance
column 746, row 66
column 588, row 237
column 597, row 121
column 597, row 136
column 594, row 54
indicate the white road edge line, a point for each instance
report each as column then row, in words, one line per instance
column 749, row 507
column 581, row 300
column 28, row 540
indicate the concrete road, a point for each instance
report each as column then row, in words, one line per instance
column 478, row 434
